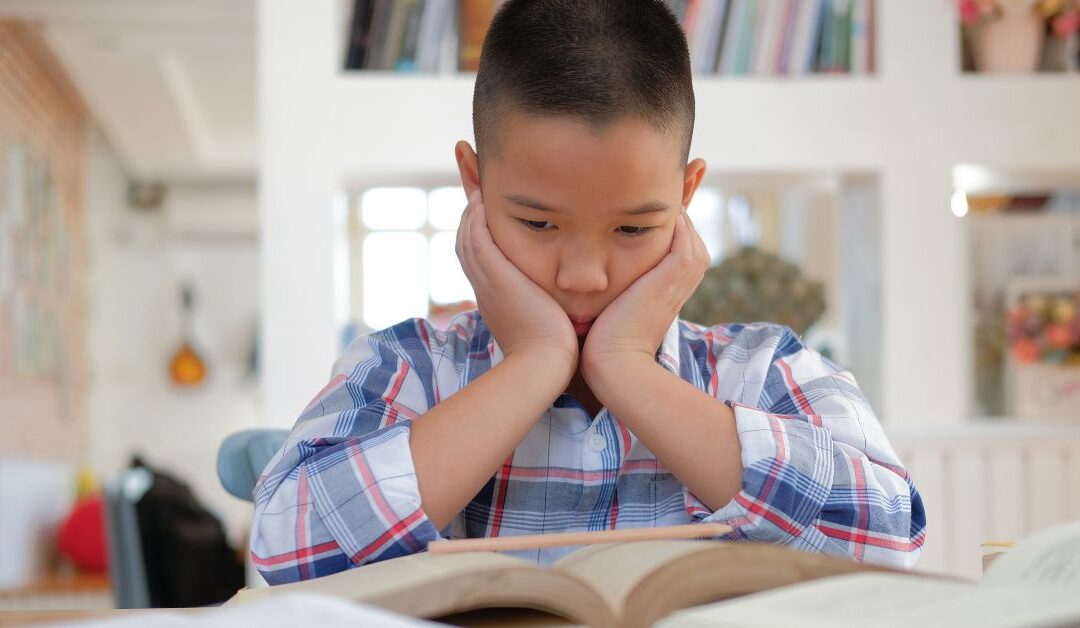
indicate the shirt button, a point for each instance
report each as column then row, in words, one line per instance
column 596, row 442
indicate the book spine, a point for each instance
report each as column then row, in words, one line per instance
column 843, row 38
column 859, row 13
column 786, row 38
column 731, row 36
column 721, row 35
column 448, row 52
column 774, row 37
column 689, row 25
column 827, row 42
column 475, row 18
column 746, row 38
column 871, row 38
column 359, row 28
column 760, row 35
column 395, row 34
column 376, row 32
column 428, row 43
column 407, row 59
column 798, row 36
column 811, row 60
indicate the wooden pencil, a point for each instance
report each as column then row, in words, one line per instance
column 533, row 541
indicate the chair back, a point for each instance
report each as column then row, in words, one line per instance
column 242, row 457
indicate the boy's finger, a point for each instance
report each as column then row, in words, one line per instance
column 461, row 248
column 683, row 244
column 700, row 250
column 478, row 243
column 469, row 262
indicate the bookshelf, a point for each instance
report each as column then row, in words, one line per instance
column 909, row 124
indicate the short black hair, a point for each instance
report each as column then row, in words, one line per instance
column 593, row 60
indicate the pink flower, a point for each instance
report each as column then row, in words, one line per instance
column 1066, row 24
column 969, row 11
column 1025, row 350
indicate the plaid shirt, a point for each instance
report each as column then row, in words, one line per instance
column 819, row 473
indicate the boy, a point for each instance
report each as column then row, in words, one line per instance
column 574, row 398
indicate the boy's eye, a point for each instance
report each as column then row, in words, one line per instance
column 634, row 231
column 537, row 225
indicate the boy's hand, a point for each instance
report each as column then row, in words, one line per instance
column 521, row 316
column 633, row 325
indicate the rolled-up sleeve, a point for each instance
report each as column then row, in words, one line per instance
column 818, row 471
column 343, row 492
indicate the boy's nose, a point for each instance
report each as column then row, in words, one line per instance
column 582, row 270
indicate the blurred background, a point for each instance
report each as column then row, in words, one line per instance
column 200, row 201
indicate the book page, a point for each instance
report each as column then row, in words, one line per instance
column 293, row 609
column 880, row 600
column 614, row 569
column 1051, row 557
column 379, row 579
column 643, row 581
column 434, row 585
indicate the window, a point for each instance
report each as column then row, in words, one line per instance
column 406, row 241
column 406, row 238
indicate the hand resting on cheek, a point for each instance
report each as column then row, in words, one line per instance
column 633, row 325
column 519, row 313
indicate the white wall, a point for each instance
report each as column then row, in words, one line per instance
column 137, row 261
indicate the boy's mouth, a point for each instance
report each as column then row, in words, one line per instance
column 581, row 327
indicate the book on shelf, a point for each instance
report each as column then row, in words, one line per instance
column 607, row 585
column 778, row 37
column 407, row 36
column 1035, row 583
column 726, row 37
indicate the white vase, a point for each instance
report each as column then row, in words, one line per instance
column 1011, row 43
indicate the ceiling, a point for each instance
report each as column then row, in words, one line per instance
column 170, row 82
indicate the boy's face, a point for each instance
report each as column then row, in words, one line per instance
column 557, row 198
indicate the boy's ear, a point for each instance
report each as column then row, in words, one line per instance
column 692, row 176
column 468, row 167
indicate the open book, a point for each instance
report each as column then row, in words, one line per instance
column 1037, row 583
column 624, row 584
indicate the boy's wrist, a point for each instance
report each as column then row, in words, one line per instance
column 542, row 360
column 615, row 371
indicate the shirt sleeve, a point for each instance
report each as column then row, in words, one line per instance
column 819, row 473
column 342, row 492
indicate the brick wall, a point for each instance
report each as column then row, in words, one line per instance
column 42, row 253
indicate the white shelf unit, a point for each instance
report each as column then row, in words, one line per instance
column 323, row 130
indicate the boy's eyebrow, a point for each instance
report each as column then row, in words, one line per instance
column 651, row 207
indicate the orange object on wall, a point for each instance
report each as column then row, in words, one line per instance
column 187, row 367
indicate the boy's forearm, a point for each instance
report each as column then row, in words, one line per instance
column 460, row 443
column 691, row 433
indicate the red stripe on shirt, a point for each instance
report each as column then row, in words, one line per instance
column 372, row 486
column 333, row 383
column 762, row 509
column 308, row 552
column 304, row 553
column 804, row 405
column 709, row 350
column 505, row 472
column 755, row 504
column 385, row 537
column 402, row 372
column 860, row 498
column 864, row 537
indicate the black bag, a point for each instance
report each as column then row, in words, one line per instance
column 188, row 559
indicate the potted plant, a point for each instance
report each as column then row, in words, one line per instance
column 1042, row 327
column 1008, row 34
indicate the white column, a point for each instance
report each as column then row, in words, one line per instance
column 297, row 61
